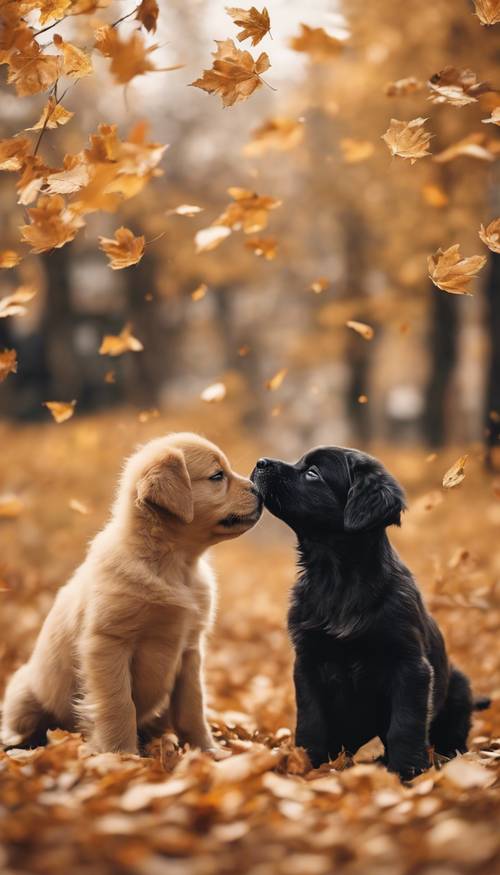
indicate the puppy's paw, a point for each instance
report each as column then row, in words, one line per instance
column 409, row 767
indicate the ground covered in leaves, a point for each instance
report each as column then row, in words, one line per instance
column 261, row 810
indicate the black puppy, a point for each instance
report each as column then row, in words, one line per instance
column 370, row 660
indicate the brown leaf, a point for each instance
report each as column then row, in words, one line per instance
column 465, row 774
column 319, row 285
column 255, row 24
column 9, row 258
column 278, row 134
column 434, row 195
column 13, row 152
column 209, row 238
column 185, row 210
column 494, row 118
column 457, row 87
column 361, row 328
column 52, row 224
column 234, row 75
column 8, row 363
column 408, row 139
column 404, row 87
column 123, row 249
column 118, row 344
column 199, row 292
column 317, row 43
column 451, row 273
column 31, row 71
column 455, row 474
column 215, row 392
column 61, row 410
column 266, row 247
column 491, row 235
column 53, row 115
column 13, row 305
column 249, row 211
column 129, row 58
column 275, row 381
column 147, row 13
column 354, row 151
column 11, row 506
column 238, row 769
column 488, row 11
column 76, row 63
column 472, row 146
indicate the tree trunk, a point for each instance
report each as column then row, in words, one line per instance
column 493, row 384
column 443, row 338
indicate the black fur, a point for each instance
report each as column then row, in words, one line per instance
column 369, row 659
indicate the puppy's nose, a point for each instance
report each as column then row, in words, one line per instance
column 263, row 463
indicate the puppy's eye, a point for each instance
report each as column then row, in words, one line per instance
column 313, row 474
column 218, row 476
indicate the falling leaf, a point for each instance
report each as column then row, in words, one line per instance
column 78, row 506
column 215, row 392
column 431, row 457
column 118, row 344
column 451, row 273
column 209, row 238
column 362, row 399
column 488, row 11
column 275, row 381
column 129, row 58
column 404, row 87
column 455, row 474
column 52, row 224
column 147, row 13
column 255, row 24
column 13, row 152
column 110, row 377
column 146, row 415
column 494, row 118
column 199, row 292
column 278, row 134
column 243, row 351
column 123, row 250
column 13, row 305
column 8, row 363
column 320, row 285
column 354, row 151
column 434, row 195
column 317, row 43
column 68, row 181
column 53, row 115
column 11, row 506
column 457, row 87
column 249, row 211
column 408, row 139
column 61, row 410
column 9, row 258
column 234, row 75
column 491, row 235
column 32, row 71
column 185, row 210
column 361, row 328
column 76, row 63
column 472, row 146
column 265, row 247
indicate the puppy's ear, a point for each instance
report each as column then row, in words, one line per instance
column 168, row 485
column 374, row 499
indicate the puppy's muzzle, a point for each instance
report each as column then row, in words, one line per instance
column 235, row 519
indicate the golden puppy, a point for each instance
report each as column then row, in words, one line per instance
column 121, row 650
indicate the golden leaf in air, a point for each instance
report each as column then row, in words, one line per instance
column 452, row 273
column 13, row 152
column 488, row 11
column 457, row 87
column 78, row 506
column 110, row 377
column 147, row 415
column 147, row 13
column 76, row 63
column 361, row 328
column 199, row 293
column 278, row 134
column 404, row 87
column 354, row 151
column 491, row 235
column 61, row 410
column 362, row 399
column 255, row 24
column 408, row 139
column 14, row 304
column 185, row 210
column 118, row 344
column 455, row 474
column 129, row 58
column 249, row 211
column 234, row 75
column 214, row 393
column 317, row 43
column 123, row 249
column 11, row 506
column 276, row 380
column 434, row 195
column 53, row 115
column 52, row 224
column 265, row 247
column 8, row 363
column 72, row 178
column 472, row 146
column 319, row 285
column 209, row 238
column 31, row 71
column 494, row 118
column 9, row 258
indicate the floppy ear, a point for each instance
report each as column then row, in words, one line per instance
column 167, row 484
column 374, row 499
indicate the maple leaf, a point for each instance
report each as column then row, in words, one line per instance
column 214, row 393
column 319, row 285
column 404, row 87
column 69, row 180
column 51, row 9
column 32, row 179
column 355, row 151
column 434, row 195
column 209, row 238
column 472, row 146
column 249, row 211
column 263, row 246
column 451, row 273
column 455, row 474
column 317, row 43
column 8, row 363
column 52, row 224
column 123, row 250
column 276, row 380
column 11, row 506
column 61, row 410
column 255, row 24
column 407, row 139
column 31, row 71
column 185, row 210
column 76, row 63
column 361, row 328
column 13, row 152
column 147, row 13
column 494, row 118
column 488, row 11
column 235, row 74
column 491, row 235
column 457, row 87
column 199, row 293
column 9, row 258
column 129, row 58
column 279, row 134
column 13, row 305
column 117, row 344
column 53, row 115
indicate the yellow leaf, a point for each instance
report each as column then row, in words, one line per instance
column 455, row 474
column 209, row 238
column 494, row 118
column 451, row 273
column 488, row 11
column 123, row 250
column 199, row 292
column 434, row 195
column 13, row 152
column 275, row 381
column 118, row 344
column 407, row 139
column 265, row 247
column 53, row 115
column 13, row 305
column 52, row 224
column 11, row 506
column 234, row 75
column 319, row 285
column 317, row 43
column 279, row 134
column 472, row 146
column 491, row 235
column 8, row 363
column 76, row 63
column 214, row 393
column 9, row 258
column 67, row 181
column 255, row 24
column 147, row 13
column 404, row 87
column 129, row 58
column 31, row 71
column 249, row 211
column 185, row 210
column 354, row 151
column 457, row 87
column 61, row 410
column 361, row 328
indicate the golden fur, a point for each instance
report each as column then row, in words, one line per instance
column 121, row 650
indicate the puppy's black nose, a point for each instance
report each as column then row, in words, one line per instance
column 263, row 463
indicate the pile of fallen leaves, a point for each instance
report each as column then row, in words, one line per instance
column 261, row 810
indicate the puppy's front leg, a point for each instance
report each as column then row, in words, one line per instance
column 188, row 706
column 411, row 715
column 108, row 686
column 312, row 727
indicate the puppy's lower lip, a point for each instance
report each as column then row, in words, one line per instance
column 234, row 519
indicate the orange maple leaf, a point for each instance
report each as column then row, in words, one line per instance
column 123, row 250
column 255, row 24
column 235, row 74
column 52, row 224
